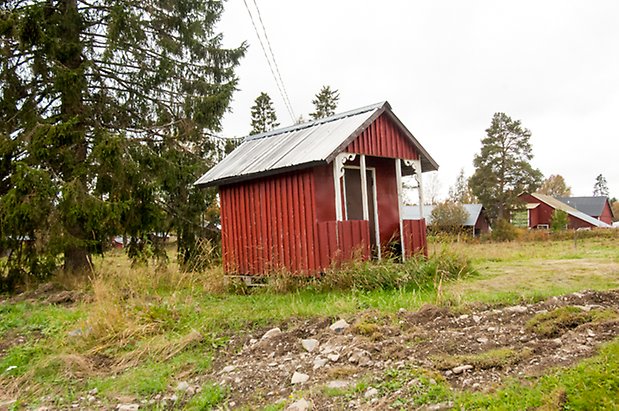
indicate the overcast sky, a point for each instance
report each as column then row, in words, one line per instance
column 446, row 67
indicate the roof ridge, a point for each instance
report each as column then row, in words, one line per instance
column 317, row 122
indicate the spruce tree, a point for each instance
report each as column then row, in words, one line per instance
column 104, row 109
column 502, row 168
column 460, row 192
column 600, row 188
column 325, row 103
column 263, row 116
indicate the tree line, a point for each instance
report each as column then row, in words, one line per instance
column 503, row 170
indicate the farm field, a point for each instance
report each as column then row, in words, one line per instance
column 535, row 326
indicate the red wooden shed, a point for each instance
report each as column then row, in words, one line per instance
column 305, row 197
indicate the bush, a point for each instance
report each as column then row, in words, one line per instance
column 448, row 217
column 504, row 231
column 558, row 220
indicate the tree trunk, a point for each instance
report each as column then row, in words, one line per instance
column 76, row 255
column 77, row 260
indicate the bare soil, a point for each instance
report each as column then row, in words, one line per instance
column 493, row 341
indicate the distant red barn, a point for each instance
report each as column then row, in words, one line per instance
column 304, row 197
column 540, row 208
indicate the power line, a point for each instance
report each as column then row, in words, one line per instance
column 279, row 75
column 283, row 94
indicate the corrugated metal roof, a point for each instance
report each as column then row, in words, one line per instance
column 412, row 213
column 300, row 146
column 593, row 206
column 559, row 205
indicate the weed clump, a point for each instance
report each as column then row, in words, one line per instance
column 419, row 273
column 556, row 322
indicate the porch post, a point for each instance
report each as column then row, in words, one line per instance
column 398, row 176
column 338, row 189
column 419, row 186
column 364, row 188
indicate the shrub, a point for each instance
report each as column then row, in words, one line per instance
column 504, row 231
column 558, row 220
column 448, row 217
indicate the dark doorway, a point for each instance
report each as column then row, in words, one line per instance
column 354, row 201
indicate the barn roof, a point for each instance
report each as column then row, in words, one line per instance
column 472, row 211
column 559, row 205
column 593, row 206
column 302, row 146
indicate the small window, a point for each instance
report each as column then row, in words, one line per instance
column 543, row 226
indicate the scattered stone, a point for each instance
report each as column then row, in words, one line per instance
column 477, row 318
column 310, row 344
column 271, row 333
column 300, row 405
column 339, row 326
column 338, row 384
column 370, row 392
column 128, row 407
column 590, row 333
column 448, row 373
column 252, row 341
column 491, row 329
column 227, row 369
column 463, row 317
column 441, row 406
column 91, row 398
column 557, row 341
column 519, row 309
column 182, row 386
column 482, row 340
column 461, row 368
column 402, row 311
column 333, row 357
column 299, row 378
column 320, row 362
column 94, row 391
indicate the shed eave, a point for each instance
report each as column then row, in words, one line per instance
column 252, row 176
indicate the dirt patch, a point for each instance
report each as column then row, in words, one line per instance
column 473, row 351
column 49, row 293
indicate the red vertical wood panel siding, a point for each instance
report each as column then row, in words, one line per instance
column 269, row 224
column 415, row 237
column 383, row 139
column 341, row 241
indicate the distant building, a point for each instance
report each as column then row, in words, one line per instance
column 540, row 208
column 476, row 223
column 597, row 207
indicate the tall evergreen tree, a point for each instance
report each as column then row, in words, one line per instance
column 460, row 192
column 325, row 103
column 502, row 168
column 600, row 188
column 555, row 186
column 263, row 116
column 104, row 105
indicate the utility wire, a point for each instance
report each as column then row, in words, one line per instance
column 264, row 50
column 279, row 75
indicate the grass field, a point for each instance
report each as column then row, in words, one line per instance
column 132, row 334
